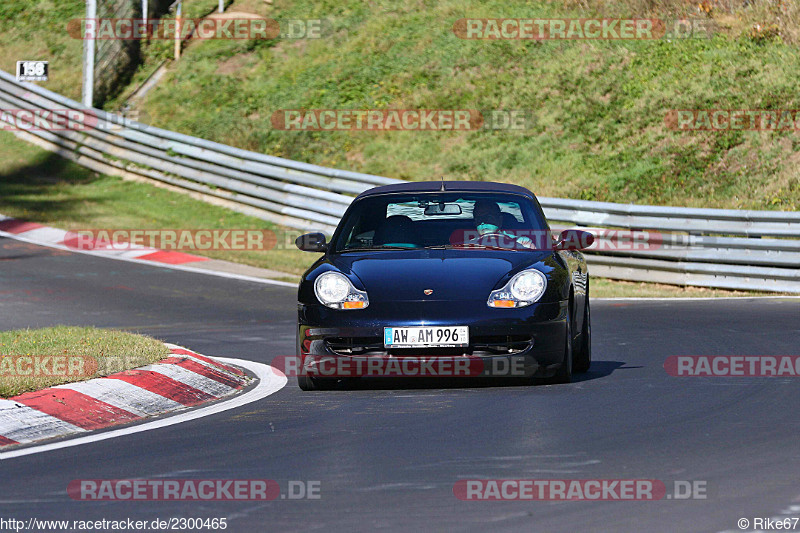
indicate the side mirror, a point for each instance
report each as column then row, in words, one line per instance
column 312, row 242
column 574, row 239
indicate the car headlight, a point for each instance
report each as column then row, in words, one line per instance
column 335, row 291
column 523, row 289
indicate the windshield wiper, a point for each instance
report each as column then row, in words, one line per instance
column 466, row 247
column 377, row 247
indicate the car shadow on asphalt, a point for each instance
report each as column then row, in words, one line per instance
column 599, row 369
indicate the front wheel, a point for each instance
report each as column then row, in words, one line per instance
column 309, row 383
column 583, row 357
column 306, row 383
column 564, row 373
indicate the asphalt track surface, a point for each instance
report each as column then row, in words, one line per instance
column 388, row 458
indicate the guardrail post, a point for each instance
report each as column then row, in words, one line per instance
column 87, row 93
column 178, row 32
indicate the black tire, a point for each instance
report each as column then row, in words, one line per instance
column 564, row 373
column 309, row 383
column 306, row 383
column 583, row 356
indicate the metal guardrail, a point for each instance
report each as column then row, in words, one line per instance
column 291, row 193
column 755, row 250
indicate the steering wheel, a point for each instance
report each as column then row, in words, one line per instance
column 479, row 238
column 514, row 243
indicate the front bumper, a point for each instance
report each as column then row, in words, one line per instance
column 522, row 342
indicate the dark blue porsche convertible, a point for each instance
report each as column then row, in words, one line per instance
column 448, row 278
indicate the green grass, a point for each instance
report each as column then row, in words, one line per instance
column 37, row 30
column 597, row 107
column 66, row 354
column 607, row 288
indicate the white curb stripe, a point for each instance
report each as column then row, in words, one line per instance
column 129, row 252
column 46, row 234
column 175, row 347
column 124, row 395
column 211, row 364
column 25, row 424
column 270, row 382
column 193, row 379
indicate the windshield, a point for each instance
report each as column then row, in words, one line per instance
column 443, row 220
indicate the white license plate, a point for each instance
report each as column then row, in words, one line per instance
column 426, row 337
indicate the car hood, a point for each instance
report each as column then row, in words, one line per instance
column 451, row 274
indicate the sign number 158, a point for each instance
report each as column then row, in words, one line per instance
column 32, row 70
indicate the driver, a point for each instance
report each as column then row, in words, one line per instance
column 488, row 218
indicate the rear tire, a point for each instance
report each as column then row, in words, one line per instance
column 583, row 357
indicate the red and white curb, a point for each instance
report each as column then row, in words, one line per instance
column 182, row 380
column 34, row 232
column 50, row 237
